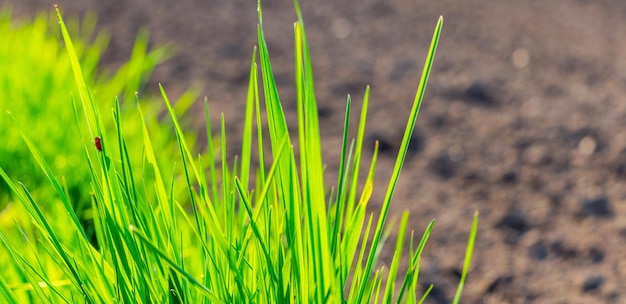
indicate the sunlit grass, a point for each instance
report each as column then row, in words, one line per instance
column 234, row 235
column 36, row 87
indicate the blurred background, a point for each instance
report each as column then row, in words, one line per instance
column 524, row 119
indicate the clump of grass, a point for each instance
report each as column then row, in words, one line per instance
column 282, row 240
column 36, row 79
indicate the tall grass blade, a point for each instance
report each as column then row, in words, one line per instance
column 468, row 258
column 246, row 146
column 402, row 153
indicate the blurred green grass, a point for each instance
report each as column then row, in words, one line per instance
column 37, row 94
column 37, row 88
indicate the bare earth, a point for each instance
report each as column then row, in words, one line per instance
column 523, row 120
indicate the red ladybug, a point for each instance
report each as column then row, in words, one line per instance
column 98, row 143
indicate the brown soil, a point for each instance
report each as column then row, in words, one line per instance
column 523, row 120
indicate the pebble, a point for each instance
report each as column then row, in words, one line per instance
column 514, row 220
column 597, row 207
column 443, row 166
column 592, row 283
column 538, row 251
column 596, row 255
column 513, row 225
column 478, row 94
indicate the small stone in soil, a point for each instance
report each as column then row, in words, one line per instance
column 596, row 255
column 562, row 251
column 443, row 166
column 513, row 225
column 597, row 207
column 499, row 283
column 478, row 94
column 513, row 220
column 592, row 283
column 538, row 251
column 509, row 177
column 324, row 112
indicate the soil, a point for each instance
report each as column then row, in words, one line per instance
column 523, row 120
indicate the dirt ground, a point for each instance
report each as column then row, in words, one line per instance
column 523, row 120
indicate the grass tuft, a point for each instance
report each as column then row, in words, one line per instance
column 202, row 230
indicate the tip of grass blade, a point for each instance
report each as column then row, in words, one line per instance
column 468, row 258
column 259, row 12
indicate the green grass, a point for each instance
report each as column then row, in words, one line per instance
column 36, row 81
column 210, row 231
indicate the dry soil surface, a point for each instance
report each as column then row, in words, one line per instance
column 523, row 120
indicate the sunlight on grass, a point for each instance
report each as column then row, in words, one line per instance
column 199, row 233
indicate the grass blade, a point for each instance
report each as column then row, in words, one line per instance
column 468, row 258
column 402, row 153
